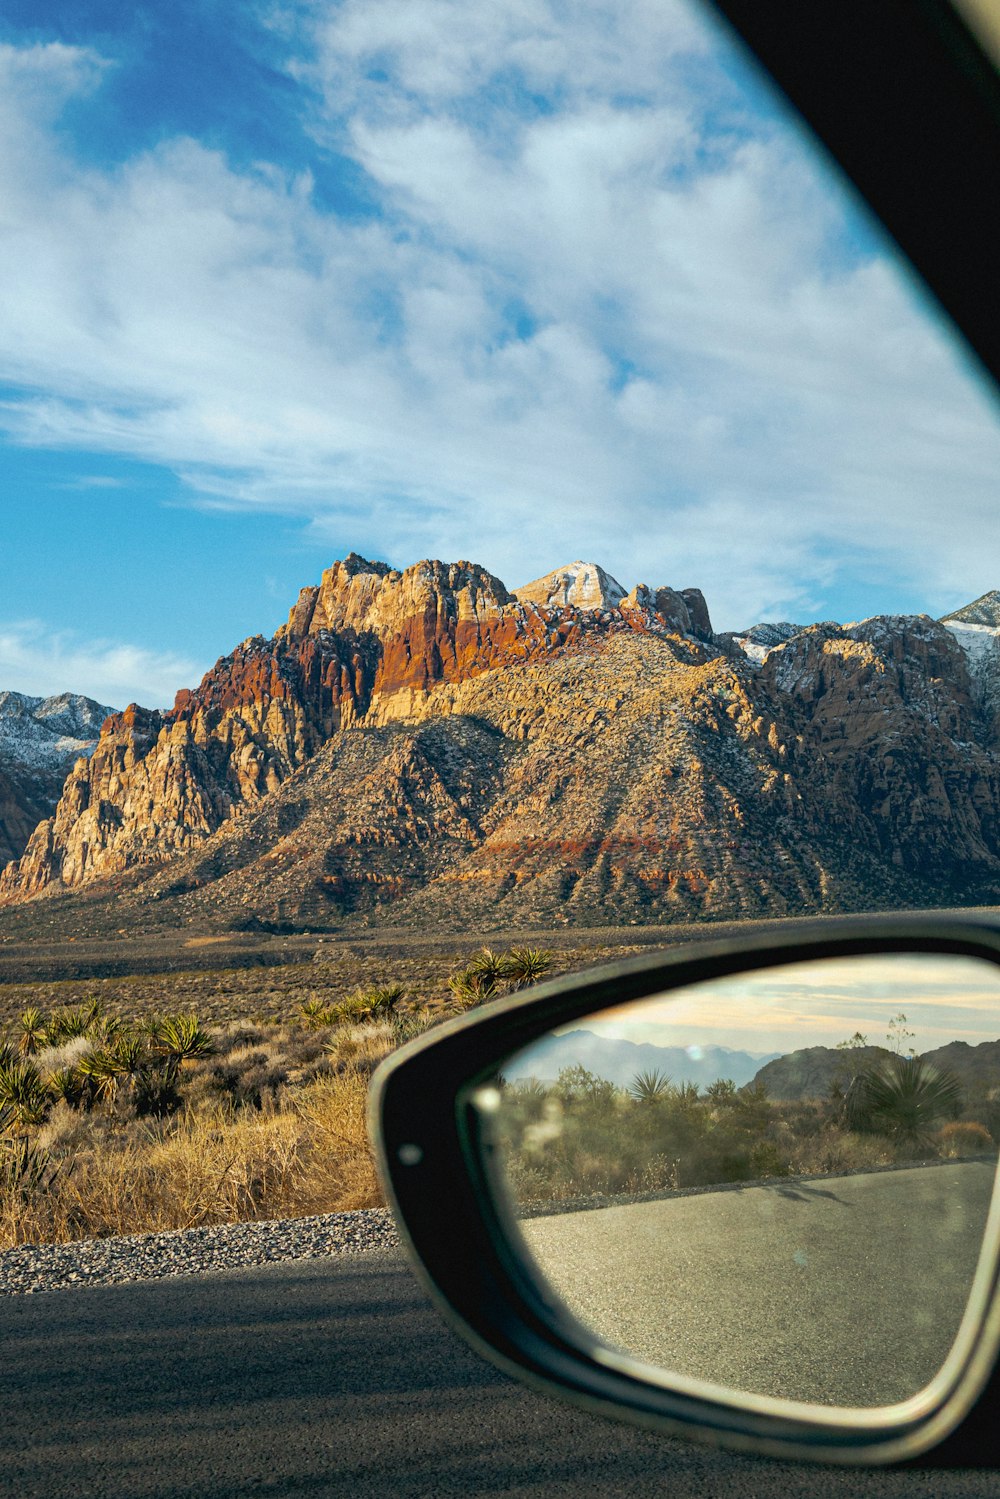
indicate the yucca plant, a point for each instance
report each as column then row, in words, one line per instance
column 383, row 999
column 490, row 966
column 526, row 965
column 33, row 1033
column 66, row 1083
column 100, row 1071
column 74, row 1020
column 23, row 1169
column 647, row 1087
column 904, row 1098
column 24, row 1098
column 181, row 1038
column 360, row 1006
column 130, row 1051
column 471, row 988
column 154, row 1089
column 315, row 1012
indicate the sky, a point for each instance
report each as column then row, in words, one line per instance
column 905, row 1002
column 517, row 283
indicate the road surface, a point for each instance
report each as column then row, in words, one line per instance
column 844, row 1290
column 327, row 1378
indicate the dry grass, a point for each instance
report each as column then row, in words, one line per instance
column 140, row 1130
column 204, row 1166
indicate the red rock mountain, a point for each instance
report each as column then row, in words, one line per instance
column 427, row 747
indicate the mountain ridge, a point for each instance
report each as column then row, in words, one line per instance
column 40, row 739
column 425, row 744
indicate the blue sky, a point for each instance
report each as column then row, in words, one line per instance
column 519, row 283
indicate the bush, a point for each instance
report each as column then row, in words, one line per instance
column 965, row 1137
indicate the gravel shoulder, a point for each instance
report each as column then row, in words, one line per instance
column 33, row 1268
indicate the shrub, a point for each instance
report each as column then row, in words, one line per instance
column 33, row 1034
column 965, row 1137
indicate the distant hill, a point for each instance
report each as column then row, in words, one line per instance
column 811, row 1072
column 620, row 1061
column 40, row 738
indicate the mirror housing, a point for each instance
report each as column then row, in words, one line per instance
column 435, row 1169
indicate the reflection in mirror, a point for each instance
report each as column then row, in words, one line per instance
column 776, row 1182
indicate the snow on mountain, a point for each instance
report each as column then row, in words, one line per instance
column 584, row 585
column 977, row 630
column 43, row 733
column 982, row 611
column 759, row 640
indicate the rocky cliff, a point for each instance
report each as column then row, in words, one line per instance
column 428, row 747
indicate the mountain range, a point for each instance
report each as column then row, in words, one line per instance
column 40, row 739
column 428, row 748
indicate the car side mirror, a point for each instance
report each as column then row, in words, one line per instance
column 742, row 1192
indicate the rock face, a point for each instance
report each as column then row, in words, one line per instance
column 581, row 585
column 425, row 747
column 40, row 738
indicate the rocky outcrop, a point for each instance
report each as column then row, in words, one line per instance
column 369, row 645
column 425, row 747
column 581, row 585
column 40, row 738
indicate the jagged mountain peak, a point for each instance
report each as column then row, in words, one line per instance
column 983, row 611
column 355, row 594
column 580, row 585
column 40, row 728
column 40, row 740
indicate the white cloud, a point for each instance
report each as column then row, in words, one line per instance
column 43, row 662
column 621, row 326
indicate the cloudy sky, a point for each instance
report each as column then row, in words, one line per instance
column 519, row 282
column 901, row 1001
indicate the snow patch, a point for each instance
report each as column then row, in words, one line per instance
column 580, row 585
column 40, row 733
column 760, row 640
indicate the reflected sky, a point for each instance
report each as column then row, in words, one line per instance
column 944, row 998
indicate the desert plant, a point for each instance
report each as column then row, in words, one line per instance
column 471, row 988
column 66, row 1083
column 154, row 1089
column 647, row 1087
column 490, row 966
column 100, row 1071
column 23, row 1170
column 384, row 999
column 965, row 1137
column 315, row 1013
column 33, row 1031
column 526, row 965
column 24, row 1099
column 130, row 1051
column 74, row 1020
column 904, row 1098
column 181, row 1038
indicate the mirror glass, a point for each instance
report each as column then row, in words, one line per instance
column 777, row 1182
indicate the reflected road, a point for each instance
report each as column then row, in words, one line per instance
column 842, row 1290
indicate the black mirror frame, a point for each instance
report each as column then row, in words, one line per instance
column 437, row 1181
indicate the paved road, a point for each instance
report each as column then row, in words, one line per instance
column 326, row 1378
column 845, row 1290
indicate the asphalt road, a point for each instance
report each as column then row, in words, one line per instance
column 328, row 1377
column 842, row 1290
